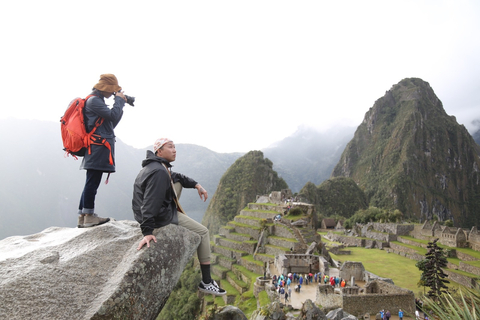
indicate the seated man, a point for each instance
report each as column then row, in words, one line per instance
column 155, row 205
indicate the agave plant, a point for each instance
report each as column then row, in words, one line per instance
column 465, row 305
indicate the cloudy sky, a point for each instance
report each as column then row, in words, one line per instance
column 236, row 75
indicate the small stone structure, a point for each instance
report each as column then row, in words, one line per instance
column 351, row 269
column 377, row 294
column 328, row 223
column 297, row 263
column 453, row 237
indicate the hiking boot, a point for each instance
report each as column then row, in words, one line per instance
column 92, row 220
column 211, row 288
column 81, row 218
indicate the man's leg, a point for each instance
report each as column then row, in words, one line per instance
column 203, row 252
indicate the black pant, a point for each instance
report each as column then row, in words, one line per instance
column 87, row 200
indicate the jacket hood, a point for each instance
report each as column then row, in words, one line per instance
column 151, row 157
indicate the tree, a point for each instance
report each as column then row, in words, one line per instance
column 436, row 260
column 421, row 266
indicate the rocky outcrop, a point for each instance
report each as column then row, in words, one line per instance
column 91, row 273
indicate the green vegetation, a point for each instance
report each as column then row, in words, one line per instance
column 434, row 276
column 390, row 157
column 182, row 304
column 463, row 305
column 337, row 196
column 373, row 214
column 249, row 176
column 398, row 268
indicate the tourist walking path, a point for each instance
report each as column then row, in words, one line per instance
column 310, row 292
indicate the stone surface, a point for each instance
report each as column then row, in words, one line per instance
column 230, row 313
column 311, row 312
column 91, row 273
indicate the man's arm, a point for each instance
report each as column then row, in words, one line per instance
column 202, row 192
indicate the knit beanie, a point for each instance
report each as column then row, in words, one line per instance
column 108, row 83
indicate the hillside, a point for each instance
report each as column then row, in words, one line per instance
column 249, row 176
column 337, row 196
column 408, row 154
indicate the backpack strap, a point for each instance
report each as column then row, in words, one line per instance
column 179, row 207
column 96, row 139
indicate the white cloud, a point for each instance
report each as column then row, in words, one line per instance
column 236, row 76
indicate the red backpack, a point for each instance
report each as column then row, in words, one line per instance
column 76, row 139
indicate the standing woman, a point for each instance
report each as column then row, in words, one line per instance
column 100, row 157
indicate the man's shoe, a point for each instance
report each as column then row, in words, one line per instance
column 92, row 220
column 211, row 288
column 81, row 219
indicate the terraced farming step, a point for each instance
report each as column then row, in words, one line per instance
column 267, row 207
column 251, row 221
column 253, row 231
column 247, row 246
column 228, row 252
column 261, row 214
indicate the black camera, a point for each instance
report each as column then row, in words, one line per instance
column 130, row 100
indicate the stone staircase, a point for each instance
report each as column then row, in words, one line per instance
column 237, row 256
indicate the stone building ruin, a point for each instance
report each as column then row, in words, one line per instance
column 376, row 295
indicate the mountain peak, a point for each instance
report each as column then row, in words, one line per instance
column 408, row 154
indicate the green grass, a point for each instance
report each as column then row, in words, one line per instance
column 244, row 225
column 401, row 270
column 239, row 282
column 263, row 298
column 281, row 238
column 262, row 211
column 252, row 259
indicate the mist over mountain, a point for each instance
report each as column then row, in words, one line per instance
column 40, row 188
column 407, row 154
column 308, row 155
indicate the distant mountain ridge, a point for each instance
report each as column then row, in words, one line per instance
column 40, row 188
column 408, row 154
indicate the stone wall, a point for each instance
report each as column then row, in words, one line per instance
column 464, row 256
column 413, row 256
column 349, row 241
column 474, row 239
column 469, row 268
column 351, row 269
column 373, row 303
column 281, row 230
column 327, row 298
column 462, row 279
column 393, row 228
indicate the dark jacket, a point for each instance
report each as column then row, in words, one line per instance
column 153, row 201
column 99, row 159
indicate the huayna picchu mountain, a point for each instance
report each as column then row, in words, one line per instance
column 408, row 154
column 249, row 176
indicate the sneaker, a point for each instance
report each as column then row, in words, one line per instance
column 92, row 220
column 211, row 288
column 80, row 222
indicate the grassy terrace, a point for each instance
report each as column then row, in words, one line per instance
column 400, row 269
column 262, row 211
column 248, row 302
column 282, row 238
column 244, row 225
column 419, row 250
column 250, row 258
